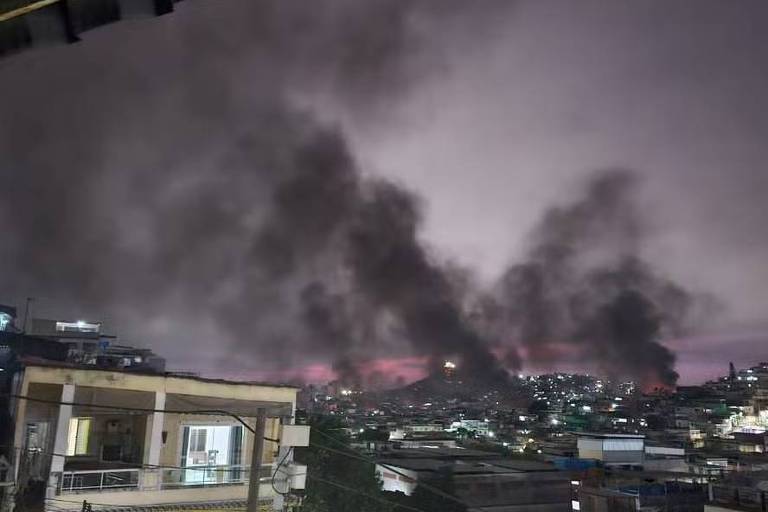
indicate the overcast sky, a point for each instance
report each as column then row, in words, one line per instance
column 675, row 90
column 510, row 120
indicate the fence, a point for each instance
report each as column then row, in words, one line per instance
column 196, row 476
column 99, row 480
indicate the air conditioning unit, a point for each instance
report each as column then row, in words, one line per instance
column 294, row 435
column 297, row 475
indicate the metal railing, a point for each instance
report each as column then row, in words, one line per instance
column 193, row 476
column 99, row 480
column 204, row 476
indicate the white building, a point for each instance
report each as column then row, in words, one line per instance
column 395, row 478
column 612, row 449
column 483, row 481
column 479, row 427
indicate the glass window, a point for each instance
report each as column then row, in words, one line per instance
column 209, row 452
column 77, row 440
column 197, row 440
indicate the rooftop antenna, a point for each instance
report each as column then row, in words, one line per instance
column 26, row 314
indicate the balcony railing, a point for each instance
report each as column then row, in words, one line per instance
column 211, row 475
column 99, row 480
column 195, row 476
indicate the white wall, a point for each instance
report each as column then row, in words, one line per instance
column 393, row 482
column 590, row 448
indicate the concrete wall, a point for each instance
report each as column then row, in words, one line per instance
column 139, row 498
column 153, row 383
column 590, row 448
column 614, row 451
column 623, row 457
column 596, row 502
column 672, row 464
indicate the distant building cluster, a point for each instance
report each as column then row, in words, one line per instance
column 74, row 342
column 89, row 418
column 562, row 442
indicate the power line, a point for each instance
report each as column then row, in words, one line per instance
column 362, row 493
column 131, row 465
column 350, row 454
column 80, row 502
column 220, row 412
column 277, row 469
column 357, row 456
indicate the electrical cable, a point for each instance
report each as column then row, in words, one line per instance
column 131, row 465
column 336, row 484
column 314, row 477
column 80, row 502
column 219, row 412
column 357, row 491
column 357, row 456
column 277, row 468
column 428, row 487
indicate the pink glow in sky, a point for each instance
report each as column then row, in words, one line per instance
column 700, row 358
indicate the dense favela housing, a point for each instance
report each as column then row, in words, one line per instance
column 89, row 419
column 562, row 442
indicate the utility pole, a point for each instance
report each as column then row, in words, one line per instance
column 256, row 456
column 26, row 314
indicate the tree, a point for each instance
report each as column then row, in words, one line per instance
column 463, row 433
column 373, row 435
column 355, row 474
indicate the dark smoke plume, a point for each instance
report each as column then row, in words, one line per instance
column 395, row 271
column 174, row 179
column 171, row 178
column 585, row 288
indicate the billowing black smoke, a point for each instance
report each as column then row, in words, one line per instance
column 393, row 268
column 171, row 178
column 584, row 292
column 357, row 240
